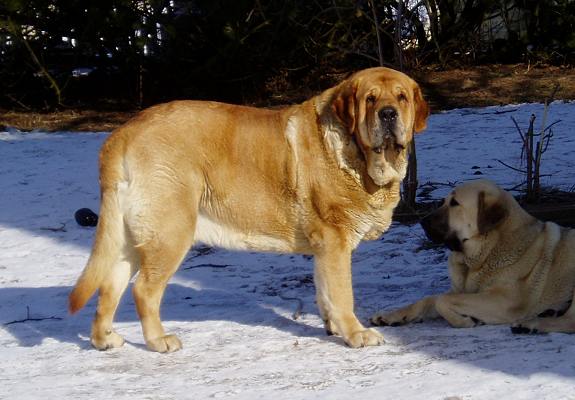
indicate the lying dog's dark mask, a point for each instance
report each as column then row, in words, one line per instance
column 436, row 227
column 453, row 243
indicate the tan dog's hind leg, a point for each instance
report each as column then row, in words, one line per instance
column 335, row 293
column 416, row 312
column 168, row 224
column 103, row 337
column 160, row 260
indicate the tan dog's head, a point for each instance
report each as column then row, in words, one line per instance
column 470, row 212
column 381, row 108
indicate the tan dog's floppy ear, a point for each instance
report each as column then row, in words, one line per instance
column 344, row 106
column 421, row 110
column 489, row 216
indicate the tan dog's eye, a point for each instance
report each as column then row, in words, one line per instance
column 402, row 97
column 453, row 202
column 370, row 99
column 377, row 149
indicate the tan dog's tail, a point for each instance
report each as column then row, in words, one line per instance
column 106, row 252
column 110, row 234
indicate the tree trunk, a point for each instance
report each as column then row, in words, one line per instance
column 410, row 183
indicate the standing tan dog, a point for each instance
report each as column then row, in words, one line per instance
column 506, row 267
column 314, row 178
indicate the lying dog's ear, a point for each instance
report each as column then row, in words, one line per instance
column 344, row 105
column 421, row 110
column 489, row 216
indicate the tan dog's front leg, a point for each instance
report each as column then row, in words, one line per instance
column 416, row 312
column 334, row 292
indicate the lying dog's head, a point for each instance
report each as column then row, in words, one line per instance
column 471, row 211
column 381, row 108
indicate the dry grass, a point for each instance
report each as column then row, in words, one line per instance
column 495, row 85
column 470, row 87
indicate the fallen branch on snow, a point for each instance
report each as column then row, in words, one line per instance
column 62, row 228
column 31, row 319
column 298, row 312
column 208, row 266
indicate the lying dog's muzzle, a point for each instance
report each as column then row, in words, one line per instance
column 453, row 243
column 435, row 227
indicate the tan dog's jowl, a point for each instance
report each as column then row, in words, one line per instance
column 506, row 267
column 314, row 178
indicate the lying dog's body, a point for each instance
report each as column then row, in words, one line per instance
column 506, row 267
column 315, row 178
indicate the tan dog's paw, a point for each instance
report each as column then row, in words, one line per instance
column 165, row 344
column 389, row 319
column 330, row 328
column 109, row 340
column 363, row 338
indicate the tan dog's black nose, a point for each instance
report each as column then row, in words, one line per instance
column 388, row 117
column 388, row 114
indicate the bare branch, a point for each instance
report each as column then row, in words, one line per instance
column 376, row 23
column 519, row 130
column 298, row 312
column 62, row 228
column 510, row 167
column 208, row 266
column 554, row 123
column 16, row 30
column 18, row 321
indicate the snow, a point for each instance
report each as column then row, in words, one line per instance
column 234, row 311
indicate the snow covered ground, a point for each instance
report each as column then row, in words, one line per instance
column 234, row 311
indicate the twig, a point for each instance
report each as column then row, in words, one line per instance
column 510, row 167
column 397, row 40
column 499, row 112
column 62, row 228
column 376, row 23
column 553, row 93
column 15, row 100
column 208, row 266
column 549, row 127
column 529, row 158
column 547, row 138
column 298, row 311
column 16, row 30
column 31, row 319
column 519, row 130
column 450, row 184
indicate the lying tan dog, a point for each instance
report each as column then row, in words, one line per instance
column 506, row 267
column 314, row 178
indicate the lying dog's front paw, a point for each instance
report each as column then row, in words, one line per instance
column 366, row 337
column 388, row 319
column 470, row 322
column 522, row 330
